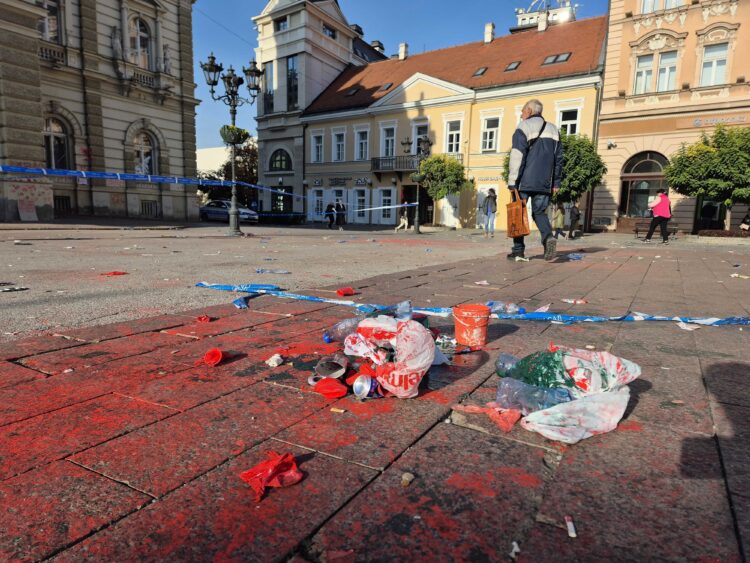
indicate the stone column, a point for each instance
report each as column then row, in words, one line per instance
column 184, row 71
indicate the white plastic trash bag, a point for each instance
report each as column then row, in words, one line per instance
column 415, row 351
column 585, row 417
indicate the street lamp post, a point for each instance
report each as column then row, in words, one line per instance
column 232, row 98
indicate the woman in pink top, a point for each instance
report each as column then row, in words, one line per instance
column 662, row 209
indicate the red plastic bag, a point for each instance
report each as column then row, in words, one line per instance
column 330, row 388
column 280, row 470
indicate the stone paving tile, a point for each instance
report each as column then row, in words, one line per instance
column 733, row 433
column 215, row 517
column 217, row 311
column 728, row 381
column 127, row 328
column 372, row 433
column 43, row 439
column 12, row 374
column 741, row 510
column 90, row 355
column 471, row 497
column 15, row 349
column 55, row 506
column 223, row 325
column 649, row 476
column 165, row 455
column 446, row 385
column 268, row 304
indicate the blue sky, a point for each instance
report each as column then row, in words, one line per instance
column 224, row 27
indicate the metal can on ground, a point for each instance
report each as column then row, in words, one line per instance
column 366, row 387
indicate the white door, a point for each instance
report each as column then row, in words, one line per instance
column 449, row 211
column 317, row 205
column 385, row 199
column 358, row 212
column 482, row 192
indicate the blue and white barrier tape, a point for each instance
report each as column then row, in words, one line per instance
column 368, row 308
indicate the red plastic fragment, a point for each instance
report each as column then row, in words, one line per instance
column 115, row 273
column 204, row 319
column 211, row 358
column 330, row 388
column 345, row 291
column 279, row 470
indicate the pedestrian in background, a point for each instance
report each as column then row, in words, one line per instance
column 558, row 220
column 489, row 208
column 575, row 216
column 662, row 209
column 403, row 216
column 331, row 215
column 745, row 225
column 535, row 169
column 340, row 214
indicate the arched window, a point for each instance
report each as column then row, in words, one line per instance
column 642, row 176
column 140, row 43
column 57, row 144
column 280, row 161
column 145, row 153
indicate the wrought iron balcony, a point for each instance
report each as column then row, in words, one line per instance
column 407, row 163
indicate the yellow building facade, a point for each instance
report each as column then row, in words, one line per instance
column 365, row 155
column 675, row 69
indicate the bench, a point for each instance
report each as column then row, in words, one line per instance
column 642, row 225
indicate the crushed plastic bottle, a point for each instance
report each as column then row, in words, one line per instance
column 504, row 363
column 517, row 395
column 402, row 311
column 504, row 308
column 342, row 329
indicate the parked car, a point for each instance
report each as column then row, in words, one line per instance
column 218, row 210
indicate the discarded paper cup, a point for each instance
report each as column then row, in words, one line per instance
column 365, row 387
column 213, row 357
column 332, row 366
column 471, row 322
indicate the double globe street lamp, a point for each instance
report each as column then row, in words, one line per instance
column 232, row 83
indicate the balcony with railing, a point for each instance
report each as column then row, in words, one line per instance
column 406, row 163
column 144, row 77
column 52, row 52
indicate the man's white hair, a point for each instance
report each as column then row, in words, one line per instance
column 535, row 106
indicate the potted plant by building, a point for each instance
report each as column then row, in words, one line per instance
column 233, row 135
column 441, row 176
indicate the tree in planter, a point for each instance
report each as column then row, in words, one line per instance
column 442, row 175
column 583, row 168
column 717, row 167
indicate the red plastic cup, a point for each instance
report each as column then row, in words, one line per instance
column 345, row 291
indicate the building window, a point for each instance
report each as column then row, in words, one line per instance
column 389, row 141
column 552, row 59
column 568, row 121
column 714, row 70
column 648, row 6
column 140, row 44
column 329, row 31
column 56, row 144
column 280, row 161
column 386, row 201
column 145, row 154
column 281, row 200
column 453, row 137
column 480, row 71
column 339, row 147
column 363, row 145
column 268, row 87
column 317, row 148
column 49, row 25
column 292, row 83
column 642, row 177
column 669, row 4
column 490, row 128
column 644, row 70
column 513, row 66
column 385, row 86
column 318, row 202
column 281, row 24
column 667, row 78
column 420, row 131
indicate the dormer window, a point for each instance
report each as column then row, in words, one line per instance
column 329, row 31
column 480, row 71
column 513, row 66
column 281, row 24
column 554, row 59
column 353, row 91
column 385, row 87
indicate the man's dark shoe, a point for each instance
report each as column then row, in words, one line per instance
column 550, row 248
column 514, row 255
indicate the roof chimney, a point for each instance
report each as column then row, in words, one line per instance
column 489, row 32
column 378, row 46
column 403, row 51
column 542, row 23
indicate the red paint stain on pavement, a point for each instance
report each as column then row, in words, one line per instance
column 520, row 477
column 308, row 348
column 630, row 426
column 442, row 524
column 474, row 483
column 366, row 410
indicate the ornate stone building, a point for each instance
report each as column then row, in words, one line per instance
column 97, row 85
column 675, row 69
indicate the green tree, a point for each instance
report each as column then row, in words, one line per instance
column 246, row 170
column 442, row 175
column 583, row 168
column 716, row 167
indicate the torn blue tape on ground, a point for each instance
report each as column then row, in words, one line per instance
column 368, row 308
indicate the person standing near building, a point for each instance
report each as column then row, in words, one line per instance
column 403, row 214
column 340, row 214
column 662, row 209
column 489, row 208
column 535, row 169
column 575, row 216
column 331, row 214
column 558, row 220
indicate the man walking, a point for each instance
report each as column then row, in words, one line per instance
column 536, row 161
column 575, row 216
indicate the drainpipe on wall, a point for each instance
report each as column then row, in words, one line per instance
column 304, row 170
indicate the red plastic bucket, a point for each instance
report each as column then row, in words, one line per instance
column 471, row 324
